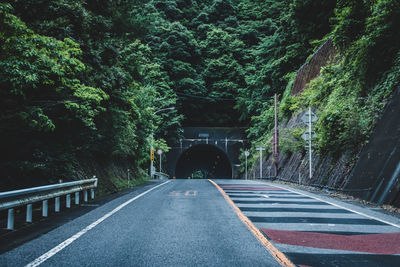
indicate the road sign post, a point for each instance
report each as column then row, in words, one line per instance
column 269, row 171
column 261, row 150
column 246, row 153
column 309, row 118
column 151, row 161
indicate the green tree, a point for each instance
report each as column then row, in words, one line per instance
column 42, row 98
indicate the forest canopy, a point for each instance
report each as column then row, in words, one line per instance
column 84, row 78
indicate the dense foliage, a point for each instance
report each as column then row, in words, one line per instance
column 89, row 90
column 84, row 77
column 350, row 93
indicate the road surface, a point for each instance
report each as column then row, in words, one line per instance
column 198, row 223
column 313, row 230
column 179, row 223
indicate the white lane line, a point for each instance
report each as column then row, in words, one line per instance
column 67, row 242
column 339, row 206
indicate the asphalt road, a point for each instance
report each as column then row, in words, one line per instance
column 315, row 230
column 179, row 223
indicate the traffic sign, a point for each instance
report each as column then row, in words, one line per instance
column 308, row 133
column 159, row 152
column 260, row 148
column 306, row 136
column 306, row 117
column 152, row 155
column 246, row 153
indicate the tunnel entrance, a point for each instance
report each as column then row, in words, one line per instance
column 203, row 162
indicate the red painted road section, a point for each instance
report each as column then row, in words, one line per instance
column 255, row 188
column 372, row 243
column 381, row 249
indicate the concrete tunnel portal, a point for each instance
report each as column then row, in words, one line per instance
column 203, row 161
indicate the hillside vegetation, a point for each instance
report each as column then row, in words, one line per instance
column 81, row 79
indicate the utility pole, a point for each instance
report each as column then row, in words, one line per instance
column 276, row 141
column 310, row 147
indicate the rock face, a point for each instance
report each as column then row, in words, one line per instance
column 323, row 56
column 294, row 167
column 375, row 176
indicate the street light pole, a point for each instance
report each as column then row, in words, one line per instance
column 160, row 162
column 151, row 140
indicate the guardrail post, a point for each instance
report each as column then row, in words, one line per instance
column 45, row 208
column 85, row 196
column 29, row 213
column 92, row 193
column 10, row 221
column 68, row 201
column 76, row 198
column 57, row 204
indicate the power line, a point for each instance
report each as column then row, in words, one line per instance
column 211, row 98
column 206, row 97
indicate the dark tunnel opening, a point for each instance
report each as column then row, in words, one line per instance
column 203, row 162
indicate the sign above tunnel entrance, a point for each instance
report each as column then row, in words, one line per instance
column 204, row 135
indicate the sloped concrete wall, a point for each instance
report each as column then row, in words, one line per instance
column 379, row 163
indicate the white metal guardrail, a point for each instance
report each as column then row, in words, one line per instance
column 17, row 198
column 161, row 175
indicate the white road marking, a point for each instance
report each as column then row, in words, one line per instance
column 339, row 206
column 265, row 196
column 67, row 242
